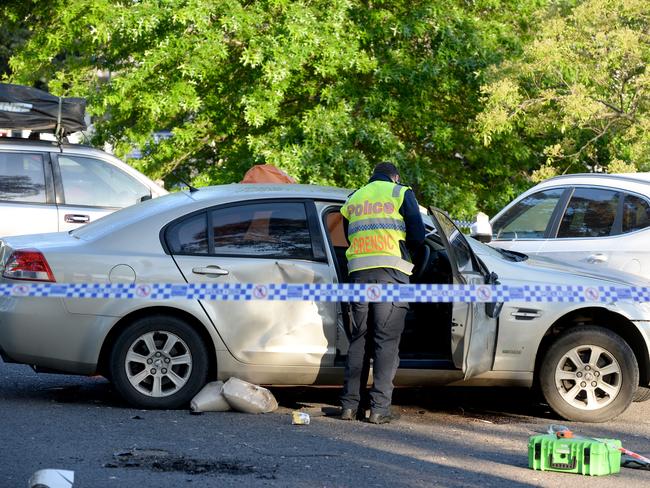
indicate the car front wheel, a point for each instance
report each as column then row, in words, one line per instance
column 642, row 394
column 159, row 362
column 589, row 374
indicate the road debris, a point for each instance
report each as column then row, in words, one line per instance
column 247, row 397
column 299, row 418
column 51, row 478
column 210, row 399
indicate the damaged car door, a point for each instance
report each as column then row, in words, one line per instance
column 474, row 325
column 260, row 242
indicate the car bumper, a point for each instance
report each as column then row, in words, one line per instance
column 41, row 332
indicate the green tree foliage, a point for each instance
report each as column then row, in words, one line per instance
column 579, row 96
column 18, row 19
column 322, row 89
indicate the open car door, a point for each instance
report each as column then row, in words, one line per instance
column 474, row 325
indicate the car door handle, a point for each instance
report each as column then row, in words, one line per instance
column 76, row 218
column 211, row 270
column 526, row 314
column 597, row 258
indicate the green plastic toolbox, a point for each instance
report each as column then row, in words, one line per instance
column 593, row 457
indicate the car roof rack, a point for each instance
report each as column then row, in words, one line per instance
column 23, row 107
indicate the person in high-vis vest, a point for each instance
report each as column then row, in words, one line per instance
column 384, row 228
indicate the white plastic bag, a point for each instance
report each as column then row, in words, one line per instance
column 210, row 399
column 249, row 398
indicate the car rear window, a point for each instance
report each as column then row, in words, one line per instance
column 189, row 235
column 636, row 213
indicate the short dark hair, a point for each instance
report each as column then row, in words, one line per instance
column 386, row 168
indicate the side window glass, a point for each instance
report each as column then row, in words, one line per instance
column 636, row 213
column 276, row 230
column 590, row 213
column 462, row 251
column 189, row 236
column 22, row 177
column 529, row 218
column 89, row 181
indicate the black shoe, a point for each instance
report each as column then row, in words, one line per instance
column 347, row 414
column 385, row 418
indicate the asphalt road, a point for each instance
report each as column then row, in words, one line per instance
column 446, row 437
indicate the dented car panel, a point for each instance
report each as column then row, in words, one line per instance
column 270, row 332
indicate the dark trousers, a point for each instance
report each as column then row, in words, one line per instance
column 376, row 331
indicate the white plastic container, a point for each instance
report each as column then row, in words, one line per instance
column 210, row 399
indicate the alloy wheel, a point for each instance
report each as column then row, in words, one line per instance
column 158, row 364
column 588, row 377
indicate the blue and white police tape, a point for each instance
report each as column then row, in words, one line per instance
column 330, row 292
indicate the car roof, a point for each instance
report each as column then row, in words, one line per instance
column 263, row 190
column 21, row 143
column 614, row 178
column 180, row 203
column 637, row 183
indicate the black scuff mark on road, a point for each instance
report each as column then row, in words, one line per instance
column 163, row 461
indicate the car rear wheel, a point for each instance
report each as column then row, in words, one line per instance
column 159, row 362
column 589, row 374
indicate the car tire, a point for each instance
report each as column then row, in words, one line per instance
column 159, row 362
column 642, row 394
column 589, row 374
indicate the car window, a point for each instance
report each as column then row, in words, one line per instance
column 278, row 230
column 590, row 213
column 636, row 213
column 97, row 183
column 189, row 236
column 461, row 248
column 529, row 218
column 22, row 177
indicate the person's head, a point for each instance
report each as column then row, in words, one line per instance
column 387, row 169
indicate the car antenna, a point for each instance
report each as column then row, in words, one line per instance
column 190, row 187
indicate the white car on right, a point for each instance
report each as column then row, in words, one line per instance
column 592, row 220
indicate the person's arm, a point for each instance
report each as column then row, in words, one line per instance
column 415, row 232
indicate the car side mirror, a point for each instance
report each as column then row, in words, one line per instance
column 481, row 229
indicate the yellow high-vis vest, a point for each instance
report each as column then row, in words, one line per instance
column 376, row 227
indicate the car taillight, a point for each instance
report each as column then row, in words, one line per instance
column 28, row 264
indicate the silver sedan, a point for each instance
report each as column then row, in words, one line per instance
column 588, row 359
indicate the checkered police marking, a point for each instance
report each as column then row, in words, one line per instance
column 330, row 292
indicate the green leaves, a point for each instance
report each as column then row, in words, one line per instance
column 581, row 91
column 323, row 89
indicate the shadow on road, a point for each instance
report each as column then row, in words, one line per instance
column 495, row 405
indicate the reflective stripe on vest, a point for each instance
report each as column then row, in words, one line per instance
column 369, row 262
column 376, row 224
column 376, row 227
